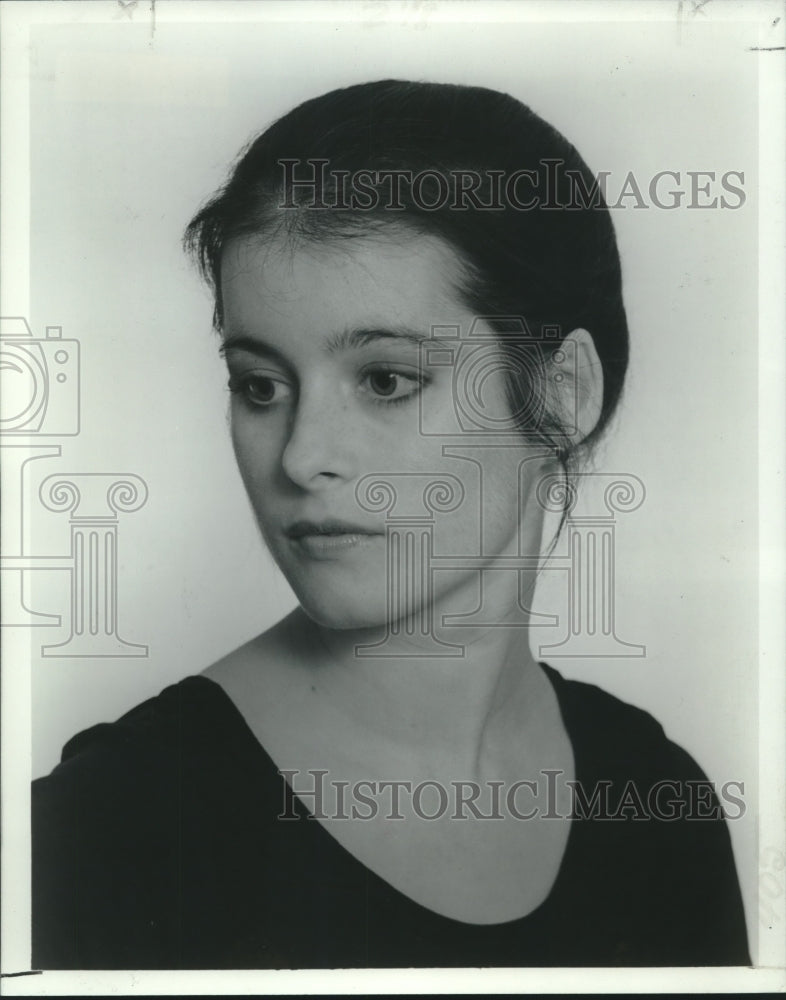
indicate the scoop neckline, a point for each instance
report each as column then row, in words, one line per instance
column 557, row 682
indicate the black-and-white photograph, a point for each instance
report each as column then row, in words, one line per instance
column 392, row 448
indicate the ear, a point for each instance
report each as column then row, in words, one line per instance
column 578, row 394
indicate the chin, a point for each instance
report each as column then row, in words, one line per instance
column 342, row 612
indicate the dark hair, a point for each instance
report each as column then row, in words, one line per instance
column 552, row 261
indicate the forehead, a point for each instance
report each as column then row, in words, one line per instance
column 370, row 278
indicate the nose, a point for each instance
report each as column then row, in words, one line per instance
column 318, row 449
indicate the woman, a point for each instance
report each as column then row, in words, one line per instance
column 446, row 813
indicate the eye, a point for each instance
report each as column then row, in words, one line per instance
column 386, row 385
column 259, row 391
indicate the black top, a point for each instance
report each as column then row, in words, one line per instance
column 156, row 844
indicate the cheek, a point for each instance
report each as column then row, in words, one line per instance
column 492, row 513
column 256, row 453
column 503, row 511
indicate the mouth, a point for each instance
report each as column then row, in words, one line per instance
column 323, row 539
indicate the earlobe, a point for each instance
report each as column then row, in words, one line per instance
column 580, row 390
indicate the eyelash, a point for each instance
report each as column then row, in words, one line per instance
column 418, row 382
column 240, row 385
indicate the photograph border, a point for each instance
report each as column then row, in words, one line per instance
column 17, row 18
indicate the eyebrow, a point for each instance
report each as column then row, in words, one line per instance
column 349, row 339
column 345, row 340
column 251, row 345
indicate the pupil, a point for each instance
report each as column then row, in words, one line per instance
column 262, row 390
column 384, row 383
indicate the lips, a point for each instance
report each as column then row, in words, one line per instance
column 328, row 528
column 330, row 539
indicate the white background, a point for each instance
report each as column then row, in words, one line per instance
column 131, row 129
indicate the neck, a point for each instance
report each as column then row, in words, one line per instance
column 447, row 712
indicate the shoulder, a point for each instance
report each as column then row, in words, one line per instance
column 644, row 797
column 190, row 710
column 130, row 774
column 581, row 700
column 125, row 830
column 613, row 735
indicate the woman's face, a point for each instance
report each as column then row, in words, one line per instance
column 323, row 346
